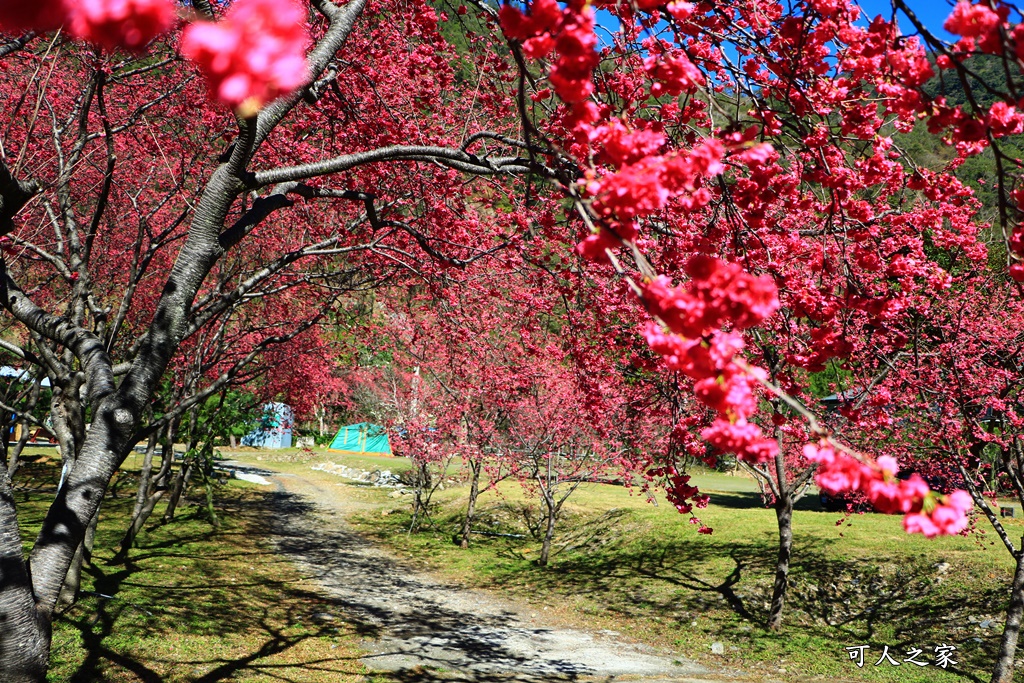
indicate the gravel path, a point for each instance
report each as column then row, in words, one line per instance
column 425, row 630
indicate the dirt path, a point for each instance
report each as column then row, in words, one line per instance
column 425, row 630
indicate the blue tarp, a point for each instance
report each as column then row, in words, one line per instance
column 274, row 430
column 362, row 438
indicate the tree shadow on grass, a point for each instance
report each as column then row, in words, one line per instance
column 178, row 585
column 887, row 601
column 172, row 587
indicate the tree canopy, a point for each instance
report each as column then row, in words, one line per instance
column 700, row 222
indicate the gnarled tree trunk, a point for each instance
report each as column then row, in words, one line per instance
column 1003, row 671
column 83, row 556
column 180, row 482
column 24, row 630
column 549, row 533
column 784, row 517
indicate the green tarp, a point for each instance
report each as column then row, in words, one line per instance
column 362, row 438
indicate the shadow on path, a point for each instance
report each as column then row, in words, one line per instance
column 428, row 631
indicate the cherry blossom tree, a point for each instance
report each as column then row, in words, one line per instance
column 695, row 162
column 558, row 445
column 733, row 168
column 136, row 214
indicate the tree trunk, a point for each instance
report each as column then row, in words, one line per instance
column 1003, row 671
column 420, row 500
column 784, row 515
column 145, row 500
column 474, row 490
column 24, row 631
column 206, row 470
column 14, row 454
column 138, row 520
column 83, row 556
column 184, row 474
column 549, row 533
column 145, row 476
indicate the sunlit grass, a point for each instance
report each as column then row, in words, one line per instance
column 624, row 564
column 193, row 603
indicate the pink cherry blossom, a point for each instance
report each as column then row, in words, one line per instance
column 130, row 24
column 743, row 438
column 946, row 518
column 919, row 523
column 843, row 474
column 254, row 55
column 971, row 21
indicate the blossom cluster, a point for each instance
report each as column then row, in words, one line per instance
column 681, row 494
column 130, row 24
column 983, row 27
column 924, row 511
column 692, row 342
column 978, row 25
column 631, row 171
column 569, row 32
column 255, row 54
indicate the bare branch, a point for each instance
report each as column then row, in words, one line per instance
column 450, row 158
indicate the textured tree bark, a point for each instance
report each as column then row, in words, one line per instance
column 68, row 422
column 1003, row 671
column 83, row 556
column 24, row 631
column 474, row 490
column 784, row 516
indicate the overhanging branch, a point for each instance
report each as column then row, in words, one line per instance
column 87, row 347
column 450, row 158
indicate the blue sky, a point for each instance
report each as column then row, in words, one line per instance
column 931, row 13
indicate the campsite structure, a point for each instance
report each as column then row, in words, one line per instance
column 362, row 437
column 275, row 428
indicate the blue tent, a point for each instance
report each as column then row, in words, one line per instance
column 361, row 438
column 274, row 430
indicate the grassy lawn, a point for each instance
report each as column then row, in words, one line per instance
column 192, row 603
column 624, row 564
